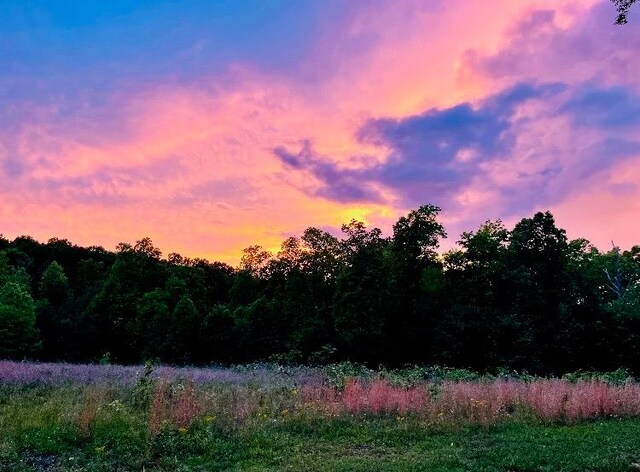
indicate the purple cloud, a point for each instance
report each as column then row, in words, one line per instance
column 507, row 142
column 433, row 154
column 607, row 108
column 337, row 184
column 541, row 49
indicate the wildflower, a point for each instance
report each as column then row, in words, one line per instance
column 183, row 430
column 116, row 405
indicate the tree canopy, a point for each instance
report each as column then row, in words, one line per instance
column 525, row 297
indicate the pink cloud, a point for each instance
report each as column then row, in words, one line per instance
column 567, row 160
column 193, row 166
column 606, row 210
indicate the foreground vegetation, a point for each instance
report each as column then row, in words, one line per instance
column 368, row 444
column 54, row 417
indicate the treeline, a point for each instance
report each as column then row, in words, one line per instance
column 526, row 298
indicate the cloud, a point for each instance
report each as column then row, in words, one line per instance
column 526, row 148
column 540, row 47
column 230, row 140
column 431, row 156
column 606, row 108
column 336, row 184
column 586, row 138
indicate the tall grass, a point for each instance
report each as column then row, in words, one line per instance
column 475, row 402
column 174, row 399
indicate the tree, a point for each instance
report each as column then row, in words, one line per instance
column 255, row 261
column 186, row 322
column 145, row 246
column 154, row 325
column 476, row 320
column 262, row 329
column 309, row 292
column 417, row 235
column 414, row 274
column 54, row 318
column 218, row 341
column 54, row 285
column 112, row 312
column 524, row 299
column 540, row 291
column 361, row 295
column 18, row 334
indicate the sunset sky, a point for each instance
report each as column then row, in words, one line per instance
column 210, row 126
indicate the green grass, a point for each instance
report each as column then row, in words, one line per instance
column 379, row 445
column 41, row 429
column 347, row 444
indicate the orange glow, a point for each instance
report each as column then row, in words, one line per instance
column 194, row 168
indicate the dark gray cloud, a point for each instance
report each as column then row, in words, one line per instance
column 436, row 155
column 432, row 155
column 336, row 184
column 438, row 152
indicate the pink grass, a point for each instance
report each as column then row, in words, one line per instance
column 481, row 402
column 380, row 397
column 159, row 412
column 177, row 405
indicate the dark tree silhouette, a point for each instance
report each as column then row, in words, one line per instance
column 520, row 298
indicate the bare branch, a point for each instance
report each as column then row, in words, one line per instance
column 622, row 7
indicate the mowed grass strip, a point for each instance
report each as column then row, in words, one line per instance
column 385, row 445
column 345, row 444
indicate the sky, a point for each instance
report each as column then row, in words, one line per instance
column 210, row 126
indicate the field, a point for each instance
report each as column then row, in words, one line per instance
column 61, row 417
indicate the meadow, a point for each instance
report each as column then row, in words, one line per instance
column 65, row 417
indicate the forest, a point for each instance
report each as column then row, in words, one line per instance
column 525, row 299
